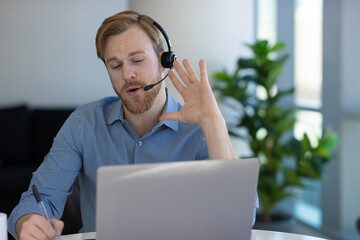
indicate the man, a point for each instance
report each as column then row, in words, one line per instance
column 139, row 126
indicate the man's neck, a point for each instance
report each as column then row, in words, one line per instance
column 144, row 122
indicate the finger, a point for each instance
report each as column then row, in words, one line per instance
column 37, row 233
column 182, row 74
column 192, row 75
column 171, row 116
column 31, row 237
column 176, row 82
column 58, row 226
column 45, row 226
column 30, row 231
column 203, row 71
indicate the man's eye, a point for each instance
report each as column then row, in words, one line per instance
column 138, row 60
column 116, row 66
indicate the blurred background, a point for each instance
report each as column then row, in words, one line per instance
column 48, row 60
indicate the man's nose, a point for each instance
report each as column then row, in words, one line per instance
column 129, row 72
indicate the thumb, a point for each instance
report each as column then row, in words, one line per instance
column 172, row 116
column 58, row 226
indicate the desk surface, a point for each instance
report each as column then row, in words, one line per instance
column 256, row 235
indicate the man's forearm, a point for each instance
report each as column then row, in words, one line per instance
column 217, row 138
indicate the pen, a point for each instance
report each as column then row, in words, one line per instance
column 41, row 204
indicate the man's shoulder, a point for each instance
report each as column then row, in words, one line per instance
column 97, row 109
column 98, row 104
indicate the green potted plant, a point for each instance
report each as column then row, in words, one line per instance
column 285, row 161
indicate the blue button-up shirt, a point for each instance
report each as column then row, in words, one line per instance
column 97, row 134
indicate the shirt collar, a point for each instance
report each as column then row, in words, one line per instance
column 115, row 111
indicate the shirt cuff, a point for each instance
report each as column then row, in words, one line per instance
column 26, row 206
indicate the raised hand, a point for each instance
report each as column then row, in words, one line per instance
column 201, row 108
column 200, row 103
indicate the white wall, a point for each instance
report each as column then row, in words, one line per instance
column 350, row 190
column 350, row 52
column 341, row 109
column 350, row 103
column 47, row 51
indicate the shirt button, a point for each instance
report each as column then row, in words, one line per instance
column 140, row 143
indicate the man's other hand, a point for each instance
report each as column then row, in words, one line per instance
column 34, row 226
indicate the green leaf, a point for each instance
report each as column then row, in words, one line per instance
column 323, row 152
column 310, row 169
column 305, row 143
column 222, row 76
column 283, row 58
column 292, row 179
column 245, row 63
column 260, row 48
column 282, row 94
column 330, row 140
column 284, row 125
column 277, row 46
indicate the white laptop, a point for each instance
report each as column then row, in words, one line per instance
column 192, row 200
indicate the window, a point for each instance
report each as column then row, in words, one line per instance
column 307, row 80
column 266, row 20
column 307, row 205
column 308, row 52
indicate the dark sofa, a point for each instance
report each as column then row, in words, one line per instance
column 26, row 135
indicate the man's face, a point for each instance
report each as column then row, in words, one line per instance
column 132, row 64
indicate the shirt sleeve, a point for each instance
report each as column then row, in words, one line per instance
column 55, row 176
column 203, row 151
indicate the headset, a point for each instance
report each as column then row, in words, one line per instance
column 167, row 58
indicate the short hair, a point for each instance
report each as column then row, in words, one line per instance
column 120, row 22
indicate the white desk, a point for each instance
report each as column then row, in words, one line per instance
column 256, row 235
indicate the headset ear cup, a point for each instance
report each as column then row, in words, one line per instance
column 167, row 59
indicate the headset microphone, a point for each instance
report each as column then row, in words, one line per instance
column 167, row 58
column 148, row 87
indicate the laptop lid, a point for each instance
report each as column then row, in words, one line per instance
column 211, row 199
